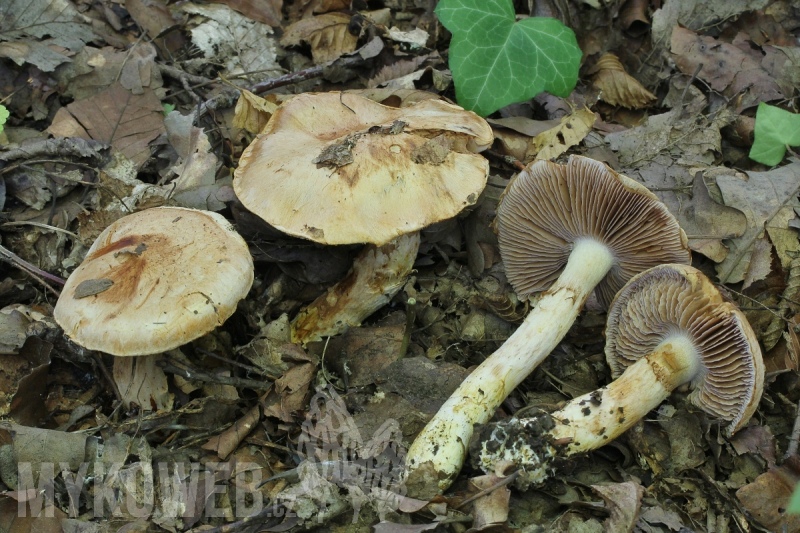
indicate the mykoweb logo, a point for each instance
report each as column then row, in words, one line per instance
column 142, row 490
column 337, row 469
column 341, row 467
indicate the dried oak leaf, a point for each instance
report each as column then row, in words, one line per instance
column 253, row 111
column 767, row 497
column 552, row 143
column 328, row 35
column 725, row 67
column 116, row 116
column 766, row 200
column 57, row 22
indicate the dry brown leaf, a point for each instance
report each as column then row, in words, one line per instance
column 93, row 70
column 196, row 165
column 617, row 87
column 360, row 353
column 514, row 133
column 671, row 155
column 126, row 121
column 767, row 497
column 328, row 35
column 154, row 17
column 757, row 440
column 228, row 38
column 622, row 502
column 24, row 376
column 491, row 509
column 396, row 70
column 227, row 441
column 253, row 111
column 633, row 17
column 766, row 200
column 264, row 11
column 550, row 144
column 289, row 393
column 725, row 67
column 396, row 97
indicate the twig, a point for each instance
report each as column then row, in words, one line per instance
column 228, row 97
column 258, row 519
column 179, row 74
column 35, row 272
column 64, row 146
column 106, row 374
column 39, row 225
column 507, row 159
column 794, row 440
column 187, row 372
column 502, row 483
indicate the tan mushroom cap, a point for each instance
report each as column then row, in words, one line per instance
column 679, row 300
column 338, row 168
column 155, row 280
column 549, row 206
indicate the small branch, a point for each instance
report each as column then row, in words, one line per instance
column 61, row 146
column 502, row 483
column 226, row 98
column 794, row 440
column 186, row 372
column 35, row 272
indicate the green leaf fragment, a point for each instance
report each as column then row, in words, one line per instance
column 775, row 129
column 794, row 501
column 3, row 117
column 497, row 61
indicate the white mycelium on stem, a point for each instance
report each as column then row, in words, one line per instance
column 567, row 230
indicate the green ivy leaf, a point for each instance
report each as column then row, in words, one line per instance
column 3, row 117
column 496, row 61
column 775, row 128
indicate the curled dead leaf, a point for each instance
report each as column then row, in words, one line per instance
column 328, row 35
column 616, row 86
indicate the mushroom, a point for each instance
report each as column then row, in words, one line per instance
column 668, row 327
column 153, row 281
column 338, row 168
column 567, row 230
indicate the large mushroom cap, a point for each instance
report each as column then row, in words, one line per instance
column 155, row 280
column 674, row 300
column 548, row 207
column 338, row 168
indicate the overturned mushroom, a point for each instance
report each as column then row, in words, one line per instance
column 669, row 326
column 153, row 281
column 338, row 168
column 567, row 230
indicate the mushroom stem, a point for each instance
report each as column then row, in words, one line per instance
column 377, row 274
column 439, row 450
column 142, row 382
column 592, row 420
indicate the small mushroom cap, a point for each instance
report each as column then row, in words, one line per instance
column 155, row 280
column 338, row 168
column 673, row 300
column 549, row 206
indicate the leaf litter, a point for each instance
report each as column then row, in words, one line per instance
column 242, row 423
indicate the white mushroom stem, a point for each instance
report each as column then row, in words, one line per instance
column 141, row 381
column 377, row 274
column 592, row 420
column 439, row 450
